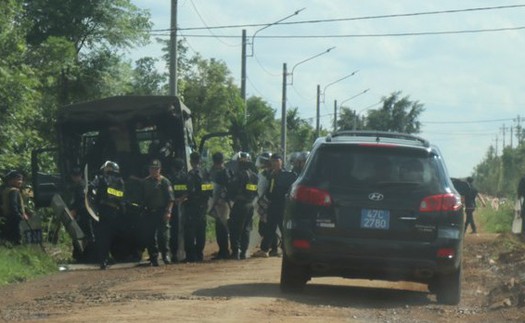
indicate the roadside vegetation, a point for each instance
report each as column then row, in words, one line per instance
column 496, row 221
column 21, row 263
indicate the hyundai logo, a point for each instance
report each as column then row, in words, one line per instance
column 375, row 196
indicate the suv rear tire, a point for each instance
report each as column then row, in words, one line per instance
column 448, row 288
column 293, row 276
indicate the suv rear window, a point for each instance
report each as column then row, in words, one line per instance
column 350, row 165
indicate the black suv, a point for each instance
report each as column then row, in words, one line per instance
column 374, row 205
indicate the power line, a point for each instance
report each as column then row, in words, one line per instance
column 424, row 33
column 208, row 28
column 351, row 18
column 465, row 122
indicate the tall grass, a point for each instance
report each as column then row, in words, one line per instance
column 496, row 221
column 21, row 263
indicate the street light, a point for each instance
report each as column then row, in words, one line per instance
column 243, row 56
column 306, row 60
column 318, row 105
column 283, row 103
column 341, row 105
column 271, row 24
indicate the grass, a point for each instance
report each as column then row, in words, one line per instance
column 496, row 221
column 25, row 262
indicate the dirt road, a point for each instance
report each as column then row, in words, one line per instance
column 241, row 291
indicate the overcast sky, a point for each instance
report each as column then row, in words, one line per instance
column 470, row 83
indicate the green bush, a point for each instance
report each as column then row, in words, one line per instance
column 21, row 263
column 497, row 221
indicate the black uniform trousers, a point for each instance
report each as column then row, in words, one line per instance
column 274, row 221
column 470, row 219
column 241, row 221
column 194, row 231
column 11, row 230
column 157, row 233
column 174, row 231
column 105, row 231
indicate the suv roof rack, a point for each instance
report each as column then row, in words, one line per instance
column 378, row 135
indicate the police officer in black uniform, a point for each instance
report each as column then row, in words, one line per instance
column 179, row 180
column 109, row 199
column 280, row 182
column 244, row 191
column 199, row 192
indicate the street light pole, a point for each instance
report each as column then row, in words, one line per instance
column 173, row 49
column 244, row 55
column 335, row 115
column 318, row 111
column 318, row 108
column 283, row 103
column 283, row 114
column 346, row 100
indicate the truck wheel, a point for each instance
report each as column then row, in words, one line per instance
column 448, row 288
column 293, row 276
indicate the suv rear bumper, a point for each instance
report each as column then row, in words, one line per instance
column 359, row 258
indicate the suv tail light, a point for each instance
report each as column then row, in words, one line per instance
column 310, row 195
column 440, row 202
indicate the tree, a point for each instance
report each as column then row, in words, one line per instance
column 17, row 94
column 254, row 132
column 397, row 114
column 349, row 120
column 146, row 79
column 300, row 134
column 96, row 30
column 87, row 24
column 211, row 94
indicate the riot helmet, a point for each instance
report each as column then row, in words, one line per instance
column 110, row 167
column 241, row 155
column 263, row 160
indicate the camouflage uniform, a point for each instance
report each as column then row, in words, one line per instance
column 158, row 201
column 13, row 209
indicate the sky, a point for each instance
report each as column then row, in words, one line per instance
column 471, row 84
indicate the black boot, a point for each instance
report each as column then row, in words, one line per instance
column 154, row 261
column 166, row 259
column 235, row 254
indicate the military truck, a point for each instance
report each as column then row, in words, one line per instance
column 130, row 130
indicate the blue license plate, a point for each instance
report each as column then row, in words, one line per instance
column 375, row 219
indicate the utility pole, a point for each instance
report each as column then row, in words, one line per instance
column 173, row 49
column 318, row 111
column 243, row 66
column 503, row 132
column 283, row 113
column 511, row 135
column 519, row 131
column 497, row 139
column 335, row 115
